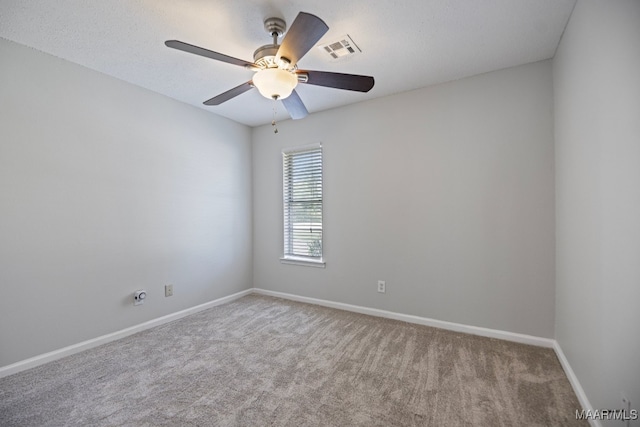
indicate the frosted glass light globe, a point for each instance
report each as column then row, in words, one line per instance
column 274, row 83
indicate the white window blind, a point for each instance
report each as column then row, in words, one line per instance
column 302, row 195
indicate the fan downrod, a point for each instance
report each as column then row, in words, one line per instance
column 264, row 56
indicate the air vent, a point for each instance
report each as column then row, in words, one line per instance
column 341, row 48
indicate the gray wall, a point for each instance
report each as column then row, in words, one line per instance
column 106, row 188
column 596, row 75
column 447, row 193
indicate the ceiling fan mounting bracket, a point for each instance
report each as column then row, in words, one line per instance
column 275, row 27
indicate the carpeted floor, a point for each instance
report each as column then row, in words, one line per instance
column 262, row 361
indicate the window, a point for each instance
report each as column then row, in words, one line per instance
column 302, row 196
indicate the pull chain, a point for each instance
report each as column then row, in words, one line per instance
column 273, row 122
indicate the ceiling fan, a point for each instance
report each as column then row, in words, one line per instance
column 276, row 66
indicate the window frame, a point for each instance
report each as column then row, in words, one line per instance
column 288, row 258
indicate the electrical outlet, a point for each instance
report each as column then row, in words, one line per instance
column 382, row 286
column 168, row 290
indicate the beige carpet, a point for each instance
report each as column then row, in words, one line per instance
column 262, row 361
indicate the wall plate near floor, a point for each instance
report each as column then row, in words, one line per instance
column 139, row 297
column 382, row 286
column 168, row 290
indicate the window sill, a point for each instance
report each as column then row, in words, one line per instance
column 306, row 262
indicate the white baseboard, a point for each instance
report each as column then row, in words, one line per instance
column 573, row 380
column 457, row 327
column 86, row 345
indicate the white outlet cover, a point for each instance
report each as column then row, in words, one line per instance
column 139, row 297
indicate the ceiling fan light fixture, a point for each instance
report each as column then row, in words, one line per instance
column 275, row 83
column 276, row 65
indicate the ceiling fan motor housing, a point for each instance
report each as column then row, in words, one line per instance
column 265, row 56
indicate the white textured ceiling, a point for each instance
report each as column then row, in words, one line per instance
column 406, row 44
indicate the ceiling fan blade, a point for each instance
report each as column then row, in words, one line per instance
column 338, row 80
column 303, row 34
column 186, row 47
column 295, row 106
column 231, row 93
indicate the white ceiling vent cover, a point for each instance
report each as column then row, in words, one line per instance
column 341, row 48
